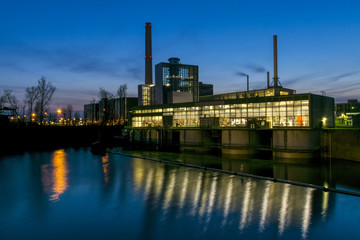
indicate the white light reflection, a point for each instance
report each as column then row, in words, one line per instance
column 307, row 213
column 228, row 200
column 211, row 197
column 204, row 197
column 197, row 194
column 169, row 190
column 284, row 209
column 264, row 207
column 184, row 189
column 148, row 182
column 325, row 203
column 245, row 208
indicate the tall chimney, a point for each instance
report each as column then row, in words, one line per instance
column 148, row 54
column 276, row 78
column 247, row 78
column 268, row 79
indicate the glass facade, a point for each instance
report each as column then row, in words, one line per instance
column 282, row 113
column 175, row 77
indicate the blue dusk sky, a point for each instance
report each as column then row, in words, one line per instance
column 81, row 46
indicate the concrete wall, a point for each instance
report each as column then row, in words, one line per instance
column 342, row 144
column 286, row 143
column 291, row 143
column 296, row 139
column 190, row 136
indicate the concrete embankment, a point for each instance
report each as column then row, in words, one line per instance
column 282, row 142
column 342, row 144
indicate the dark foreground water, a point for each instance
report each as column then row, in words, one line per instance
column 72, row 194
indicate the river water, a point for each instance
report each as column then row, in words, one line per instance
column 72, row 194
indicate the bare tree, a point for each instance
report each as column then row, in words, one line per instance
column 106, row 106
column 31, row 95
column 68, row 112
column 105, row 94
column 9, row 99
column 122, row 92
column 45, row 91
column 2, row 101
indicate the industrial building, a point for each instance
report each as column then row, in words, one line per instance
column 176, row 82
column 178, row 104
column 348, row 114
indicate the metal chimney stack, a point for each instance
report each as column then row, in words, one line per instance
column 247, row 78
column 276, row 78
column 148, row 54
column 268, row 79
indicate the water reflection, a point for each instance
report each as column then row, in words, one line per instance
column 106, row 168
column 133, row 198
column 219, row 197
column 335, row 173
column 54, row 175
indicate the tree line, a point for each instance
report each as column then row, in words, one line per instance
column 35, row 107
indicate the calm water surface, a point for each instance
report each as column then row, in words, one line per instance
column 72, row 194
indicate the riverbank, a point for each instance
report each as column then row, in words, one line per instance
column 37, row 138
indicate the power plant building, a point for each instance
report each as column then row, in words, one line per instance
column 178, row 104
column 176, row 82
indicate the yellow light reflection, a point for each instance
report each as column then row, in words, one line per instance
column 139, row 173
column 59, row 174
column 106, row 168
column 149, row 182
column 159, row 181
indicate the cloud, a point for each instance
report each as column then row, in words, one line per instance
column 255, row 68
column 344, row 75
column 135, row 72
column 238, row 73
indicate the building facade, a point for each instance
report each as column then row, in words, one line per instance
column 176, row 82
column 288, row 111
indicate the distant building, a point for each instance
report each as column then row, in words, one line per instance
column 348, row 114
column 109, row 111
column 205, row 89
column 176, row 82
column 351, row 106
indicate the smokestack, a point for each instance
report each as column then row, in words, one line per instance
column 247, row 78
column 268, row 79
column 148, row 54
column 276, row 78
